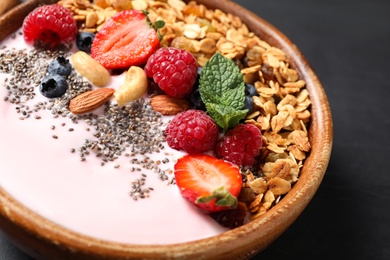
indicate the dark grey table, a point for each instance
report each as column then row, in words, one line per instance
column 347, row 43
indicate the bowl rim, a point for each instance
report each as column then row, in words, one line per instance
column 17, row 220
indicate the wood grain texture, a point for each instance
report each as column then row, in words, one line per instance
column 43, row 239
column 6, row 5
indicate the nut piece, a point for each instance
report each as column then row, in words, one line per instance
column 90, row 69
column 167, row 105
column 135, row 86
column 90, row 100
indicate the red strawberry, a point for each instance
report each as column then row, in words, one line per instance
column 210, row 183
column 125, row 40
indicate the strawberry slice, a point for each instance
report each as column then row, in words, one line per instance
column 125, row 40
column 210, row 183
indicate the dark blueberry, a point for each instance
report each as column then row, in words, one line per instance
column 249, row 104
column 194, row 98
column 53, row 86
column 60, row 66
column 199, row 71
column 84, row 41
column 250, row 90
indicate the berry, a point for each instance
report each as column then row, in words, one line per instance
column 60, row 66
column 195, row 98
column 249, row 104
column 53, row 86
column 250, row 90
column 240, row 145
column 192, row 131
column 125, row 40
column 84, row 41
column 211, row 184
column 49, row 24
column 174, row 70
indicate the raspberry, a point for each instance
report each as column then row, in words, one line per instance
column 192, row 131
column 240, row 145
column 174, row 70
column 49, row 24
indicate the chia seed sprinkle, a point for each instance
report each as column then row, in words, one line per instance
column 134, row 130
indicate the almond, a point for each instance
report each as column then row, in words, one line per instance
column 90, row 100
column 167, row 105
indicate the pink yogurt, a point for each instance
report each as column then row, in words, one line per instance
column 41, row 173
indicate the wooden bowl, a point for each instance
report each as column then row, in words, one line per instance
column 42, row 238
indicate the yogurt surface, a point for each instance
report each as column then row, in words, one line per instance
column 39, row 170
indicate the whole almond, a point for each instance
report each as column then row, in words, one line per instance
column 167, row 105
column 90, row 100
column 90, row 69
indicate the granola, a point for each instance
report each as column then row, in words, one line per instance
column 282, row 109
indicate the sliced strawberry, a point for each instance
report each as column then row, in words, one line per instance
column 210, row 183
column 127, row 39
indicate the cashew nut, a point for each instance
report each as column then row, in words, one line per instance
column 135, row 86
column 90, row 69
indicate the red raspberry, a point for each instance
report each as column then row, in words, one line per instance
column 240, row 145
column 50, row 24
column 192, row 131
column 174, row 70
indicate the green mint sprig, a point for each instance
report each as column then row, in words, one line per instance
column 222, row 89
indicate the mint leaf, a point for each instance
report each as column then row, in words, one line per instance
column 224, row 116
column 159, row 24
column 222, row 89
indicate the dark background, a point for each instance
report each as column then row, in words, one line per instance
column 347, row 42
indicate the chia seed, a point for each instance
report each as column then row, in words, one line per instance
column 133, row 130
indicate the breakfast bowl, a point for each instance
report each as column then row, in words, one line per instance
column 37, row 219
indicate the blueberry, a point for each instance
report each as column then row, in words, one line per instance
column 53, row 86
column 60, row 66
column 196, row 84
column 194, row 98
column 250, row 90
column 84, row 41
column 249, row 104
